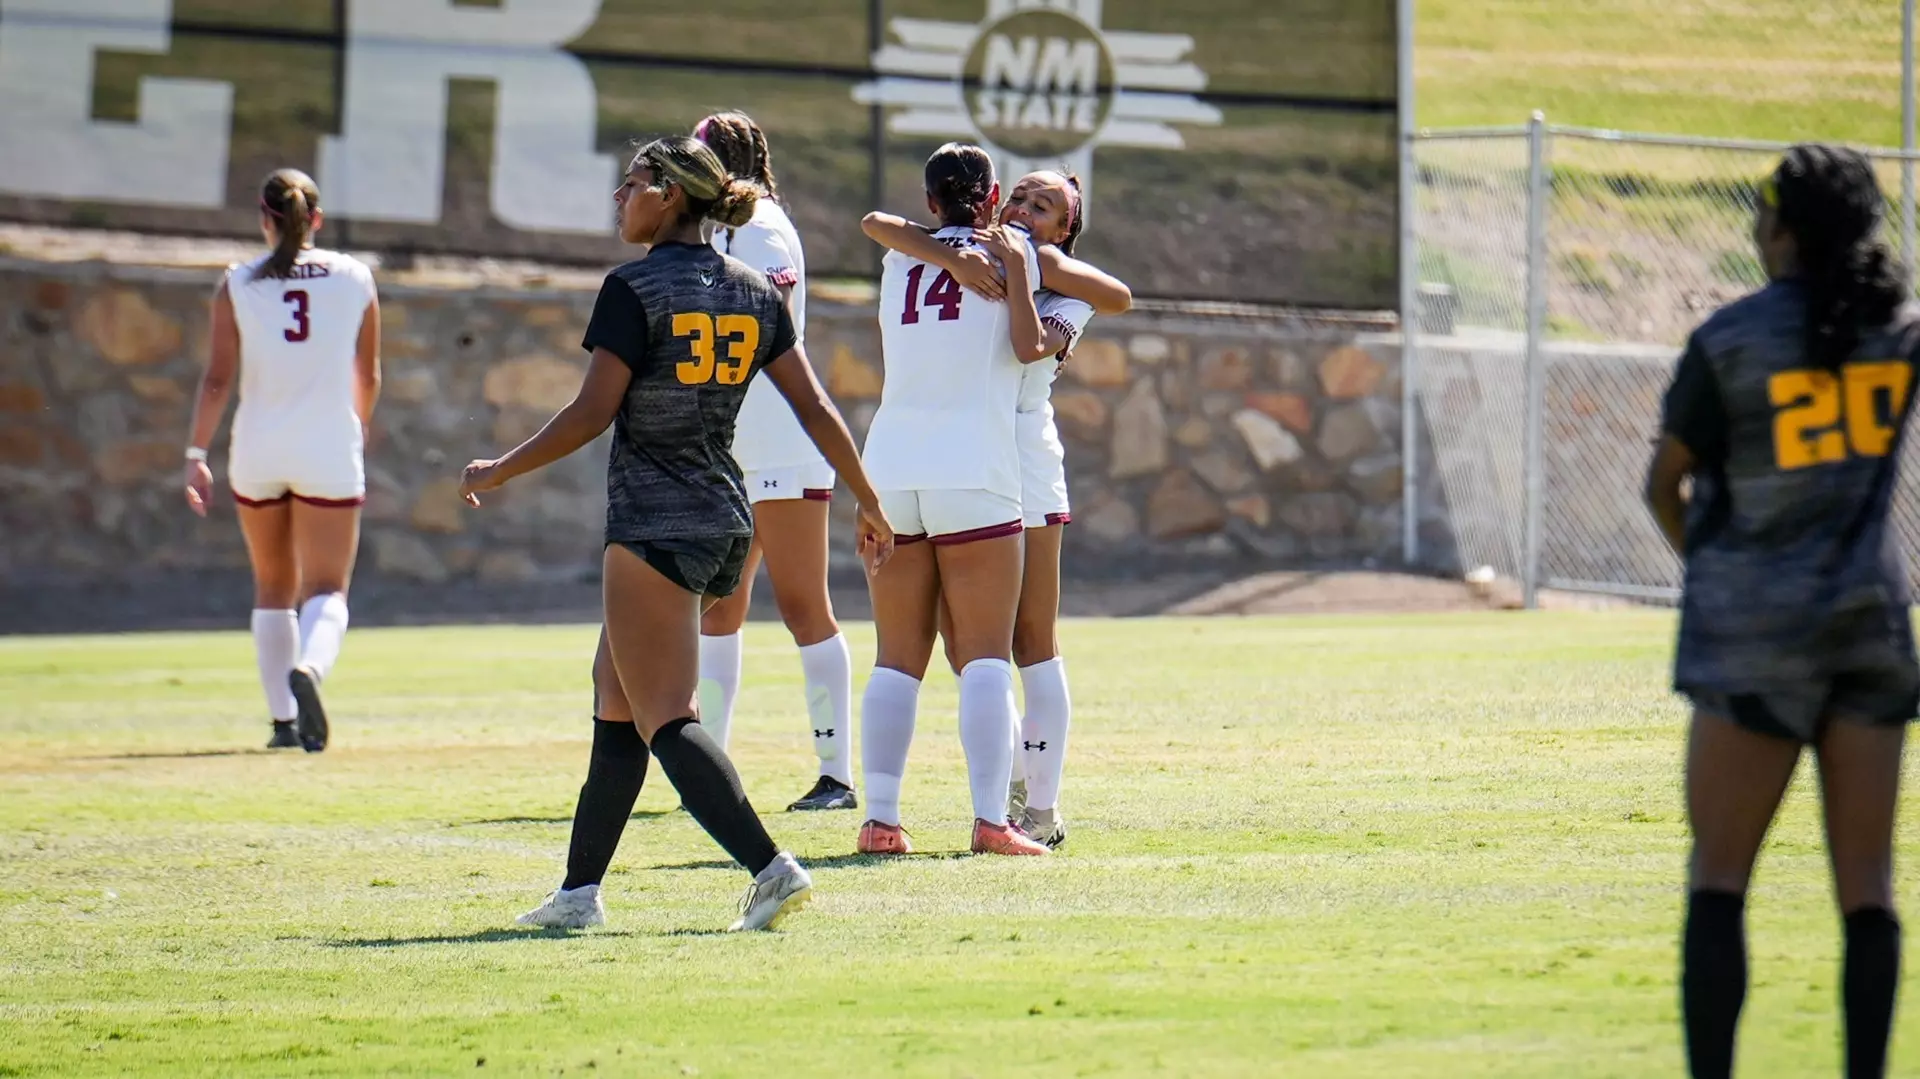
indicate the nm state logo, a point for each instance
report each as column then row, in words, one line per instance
column 1038, row 82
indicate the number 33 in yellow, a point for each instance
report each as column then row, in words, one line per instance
column 740, row 333
column 1822, row 418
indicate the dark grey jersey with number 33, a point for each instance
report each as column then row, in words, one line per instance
column 694, row 327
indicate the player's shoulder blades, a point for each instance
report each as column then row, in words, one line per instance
column 1765, row 306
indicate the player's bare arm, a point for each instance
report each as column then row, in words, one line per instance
column 1029, row 334
column 210, row 404
column 1672, row 462
column 1069, row 276
column 366, row 366
column 578, row 423
column 974, row 271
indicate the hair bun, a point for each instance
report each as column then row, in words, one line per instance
column 737, row 201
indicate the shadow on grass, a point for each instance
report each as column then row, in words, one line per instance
column 638, row 814
column 485, row 936
column 836, row 861
column 187, row 755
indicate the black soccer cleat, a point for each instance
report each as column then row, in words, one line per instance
column 283, row 735
column 312, row 724
column 827, row 793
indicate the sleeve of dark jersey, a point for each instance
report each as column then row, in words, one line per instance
column 1694, row 412
column 618, row 324
column 785, row 337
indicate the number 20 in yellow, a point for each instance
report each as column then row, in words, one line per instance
column 741, row 334
column 1823, row 418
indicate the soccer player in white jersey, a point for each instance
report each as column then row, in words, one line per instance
column 942, row 453
column 1049, row 207
column 297, row 332
column 789, row 484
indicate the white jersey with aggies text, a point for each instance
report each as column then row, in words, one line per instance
column 296, row 430
column 767, row 435
column 946, row 416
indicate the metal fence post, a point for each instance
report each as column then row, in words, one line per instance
column 1538, row 192
column 1907, row 126
column 1409, row 301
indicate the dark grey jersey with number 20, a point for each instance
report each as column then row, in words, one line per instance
column 694, row 327
column 1789, row 529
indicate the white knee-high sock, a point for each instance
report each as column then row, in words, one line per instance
column 1019, row 756
column 323, row 626
column 987, row 713
column 887, row 714
column 828, row 667
column 276, row 644
column 719, row 684
column 1044, row 730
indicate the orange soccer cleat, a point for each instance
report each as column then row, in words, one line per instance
column 878, row 838
column 1003, row 838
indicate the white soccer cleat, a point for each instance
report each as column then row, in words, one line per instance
column 769, row 902
column 1016, row 799
column 577, row 909
column 1044, row 826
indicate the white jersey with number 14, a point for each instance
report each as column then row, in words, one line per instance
column 945, row 420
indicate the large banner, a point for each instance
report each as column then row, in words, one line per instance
column 1235, row 150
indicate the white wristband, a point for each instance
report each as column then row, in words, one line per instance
column 195, row 453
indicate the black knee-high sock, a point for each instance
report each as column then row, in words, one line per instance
column 711, row 791
column 1713, row 980
column 1870, row 980
column 614, row 778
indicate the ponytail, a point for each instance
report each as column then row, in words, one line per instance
column 1830, row 202
column 290, row 197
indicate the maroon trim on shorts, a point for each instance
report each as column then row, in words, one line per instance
column 332, row 503
column 262, row 503
column 974, row 535
column 903, row 541
column 817, row 494
column 1059, row 519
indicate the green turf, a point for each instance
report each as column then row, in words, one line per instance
column 1761, row 69
column 1358, row 847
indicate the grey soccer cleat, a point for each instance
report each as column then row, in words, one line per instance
column 769, row 902
column 576, row 909
column 1044, row 826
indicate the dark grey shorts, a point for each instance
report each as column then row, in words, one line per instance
column 1885, row 696
column 705, row 567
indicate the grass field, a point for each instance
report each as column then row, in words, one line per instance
column 1330, row 846
column 1759, row 69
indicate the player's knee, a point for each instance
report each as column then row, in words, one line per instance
column 275, row 591
column 1709, row 871
column 1034, row 641
column 724, row 618
column 1863, row 883
column 808, row 616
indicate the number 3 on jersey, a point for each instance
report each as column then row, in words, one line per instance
column 302, row 317
column 702, row 331
column 1814, row 407
column 945, row 294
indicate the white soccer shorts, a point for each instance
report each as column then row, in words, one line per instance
column 1043, row 470
column 950, row 516
column 813, row 482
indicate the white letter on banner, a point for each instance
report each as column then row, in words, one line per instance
column 50, row 145
column 389, row 162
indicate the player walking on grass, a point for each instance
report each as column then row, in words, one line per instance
column 943, row 450
column 297, row 332
column 790, row 485
column 1048, row 206
column 675, row 339
column 1788, row 412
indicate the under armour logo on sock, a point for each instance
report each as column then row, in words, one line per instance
column 1041, row 746
column 828, row 733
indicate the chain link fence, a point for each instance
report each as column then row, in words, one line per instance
column 1560, row 272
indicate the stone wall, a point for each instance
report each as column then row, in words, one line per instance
column 1191, row 441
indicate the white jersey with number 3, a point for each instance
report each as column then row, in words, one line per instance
column 767, row 435
column 299, row 338
column 945, row 420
